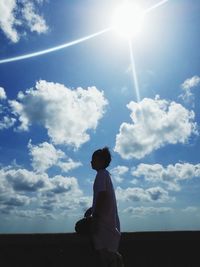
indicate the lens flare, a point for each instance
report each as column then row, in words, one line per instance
column 128, row 20
column 134, row 73
column 52, row 49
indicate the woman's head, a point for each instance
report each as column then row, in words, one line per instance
column 101, row 159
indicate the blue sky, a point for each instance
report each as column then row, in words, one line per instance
column 57, row 108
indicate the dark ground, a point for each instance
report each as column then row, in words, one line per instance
column 145, row 249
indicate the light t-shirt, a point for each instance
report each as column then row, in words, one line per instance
column 108, row 235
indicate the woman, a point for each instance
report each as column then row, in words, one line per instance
column 101, row 220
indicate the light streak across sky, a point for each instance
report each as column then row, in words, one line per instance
column 134, row 73
column 133, row 67
column 78, row 41
column 156, row 5
column 52, row 49
column 59, row 47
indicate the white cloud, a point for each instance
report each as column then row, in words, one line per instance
column 31, row 214
column 35, row 22
column 118, row 172
column 60, row 184
column 2, row 93
column 134, row 181
column 8, row 20
column 16, row 201
column 155, row 123
column 16, row 16
column 45, row 155
column 7, row 122
column 9, row 197
column 23, row 180
column 62, row 193
column 190, row 209
column 187, row 85
column 136, row 194
column 66, row 114
column 6, row 119
column 69, row 165
column 171, row 175
column 25, row 193
column 191, row 82
column 145, row 211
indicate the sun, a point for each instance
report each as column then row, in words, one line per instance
column 128, row 20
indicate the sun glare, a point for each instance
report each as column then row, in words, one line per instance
column 128, row 19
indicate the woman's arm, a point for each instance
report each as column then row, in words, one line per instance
column 101, row 204
column 88, row 212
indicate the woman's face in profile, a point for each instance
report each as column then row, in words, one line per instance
column 96, row 163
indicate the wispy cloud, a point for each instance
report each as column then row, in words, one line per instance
column 6, row 118
column 35, row 22
column 17, row 16
column 2, row 93
column 190, row 209
column 191, row 82
column 8, row 20
column 7, row 122
column 187, row 85
column 147, row 211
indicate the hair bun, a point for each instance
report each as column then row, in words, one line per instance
column 105, row 149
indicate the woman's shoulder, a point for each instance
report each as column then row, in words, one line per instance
column 103, row 172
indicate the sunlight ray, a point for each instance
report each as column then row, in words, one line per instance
column 52, row 49
column 134, row 73
column 156, row 5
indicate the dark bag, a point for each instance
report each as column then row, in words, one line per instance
column 84, row 226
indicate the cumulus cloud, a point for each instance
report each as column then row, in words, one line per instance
column 66, row 114
column 45, row 155
column 171, row 175
column 16, row 200
column 6, row 119
column 9, row 198
column 85, row 202
column 153, row 194
column 134, row 181
column 187, row 85
column 17, row 15
column 2, row 93
column 69, row 165
column 59, row 184
column 146, row 211
column 36, row 193
column 24, row 180
column 155, row 123
column 31, row 214
column 118, row 173
column 62, row 193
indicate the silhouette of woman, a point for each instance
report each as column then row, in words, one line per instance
column 101, row 221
